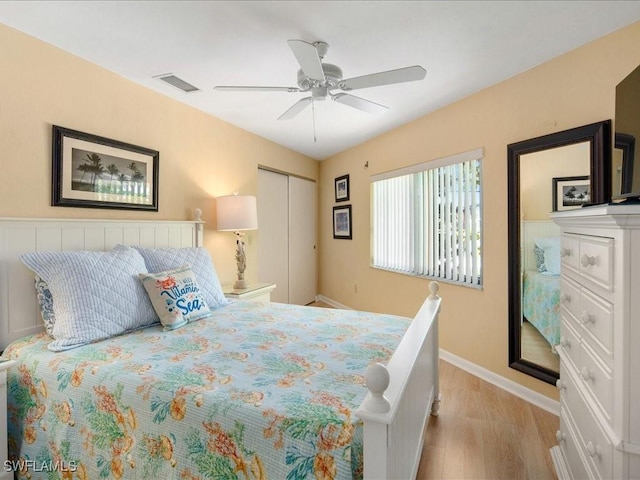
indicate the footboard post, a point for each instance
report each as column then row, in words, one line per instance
column 401, row 396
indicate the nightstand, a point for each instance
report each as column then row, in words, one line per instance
column 4, row 365
column 256, row 292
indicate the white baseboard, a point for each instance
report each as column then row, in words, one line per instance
column 333, row 303
column 535, row 398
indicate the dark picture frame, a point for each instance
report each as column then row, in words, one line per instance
column 571, row 192
column 342, row 222
column 342, row 188
column 90, row 171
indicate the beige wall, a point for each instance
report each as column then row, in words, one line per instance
column 572, row 90
column 539, row 168
column 201, row 157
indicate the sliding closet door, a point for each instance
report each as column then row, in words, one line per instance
column 273, row 232
column 302, row 241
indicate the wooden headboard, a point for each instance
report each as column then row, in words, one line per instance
column 530, row 231
column 19, row 312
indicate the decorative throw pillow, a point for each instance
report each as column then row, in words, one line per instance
column 550, row 253
column 96, row 295
column 175, row 296
column 45, row 301
column 162, row 259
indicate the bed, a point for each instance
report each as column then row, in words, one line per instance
column 541, row 304
column 256, row 390
column 541, row 278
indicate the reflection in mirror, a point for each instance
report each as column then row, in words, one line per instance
column 564, row 168
column 560, row 171
column 626, row 157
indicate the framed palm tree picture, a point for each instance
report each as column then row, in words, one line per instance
column 96, row 172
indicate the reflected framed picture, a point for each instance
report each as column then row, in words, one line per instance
column 571, row 192
column 342, row 188
column 342, row 222
column 96, row 172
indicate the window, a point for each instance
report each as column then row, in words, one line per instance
column 426, row 219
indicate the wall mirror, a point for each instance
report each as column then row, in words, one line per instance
column 560, row 171
column 625, row 173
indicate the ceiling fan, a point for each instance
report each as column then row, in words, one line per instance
column 321, row 79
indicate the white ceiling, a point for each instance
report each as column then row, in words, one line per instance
column 464, row 46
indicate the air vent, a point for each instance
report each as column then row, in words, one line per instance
column 171, row 79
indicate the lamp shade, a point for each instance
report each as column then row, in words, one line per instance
column 237, row 212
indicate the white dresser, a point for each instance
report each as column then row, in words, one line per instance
column 599, row 436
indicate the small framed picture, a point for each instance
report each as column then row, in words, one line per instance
column 571, row 192
column 342, row 222
column 96, row 172
column 342, row 188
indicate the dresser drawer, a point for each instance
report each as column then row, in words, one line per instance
column 570, row 296
column 596, row 260
column 591, row 441
column 569, row 445
column 570, row 342
column 570, row 251
column 599, row 381
column 596, row 317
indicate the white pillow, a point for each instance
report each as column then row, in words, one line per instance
column 176, row 297
column 162, row 259
column 96, row 295
column 548, row 255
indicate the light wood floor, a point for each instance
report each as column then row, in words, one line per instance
column 484, row 432
column 537, row 349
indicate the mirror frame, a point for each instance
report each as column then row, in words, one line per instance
column 599, row 136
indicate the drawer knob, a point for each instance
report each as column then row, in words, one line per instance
column 593, row 450
column 565, row 297
column 565, row 342
column 588, row 260
column 561, row 384
column 560, row 437
column 587, row 374
column 588, row 318
column 565, row 252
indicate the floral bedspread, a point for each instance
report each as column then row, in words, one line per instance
column 541, row 304
column 257, row 391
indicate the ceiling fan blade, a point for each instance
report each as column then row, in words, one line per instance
column 295, row 109
column 256, row 89
column 359, row 103
column 401, row 75
column 308, row 58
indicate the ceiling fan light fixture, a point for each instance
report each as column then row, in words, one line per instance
column 320, row 79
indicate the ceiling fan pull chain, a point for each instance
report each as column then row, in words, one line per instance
column 313, row 116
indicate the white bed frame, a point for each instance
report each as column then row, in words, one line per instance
column 401, row 394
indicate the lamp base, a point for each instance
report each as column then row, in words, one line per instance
column 240, row 284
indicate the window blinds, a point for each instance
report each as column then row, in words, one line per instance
column 426, row 219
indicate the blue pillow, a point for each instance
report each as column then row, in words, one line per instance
column 45, row 302
column 547, row 252
column 162, row 259
column 96, row 295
